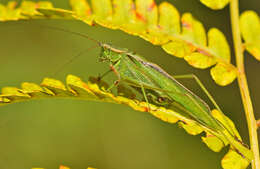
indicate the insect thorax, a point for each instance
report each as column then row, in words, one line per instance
column 110, row 54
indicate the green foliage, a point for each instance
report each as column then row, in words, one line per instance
column 75, row 88
column 181, row 36
column 250, row 29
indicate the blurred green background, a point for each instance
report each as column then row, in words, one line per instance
column 47, row 133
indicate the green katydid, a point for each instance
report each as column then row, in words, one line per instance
column 157, row 86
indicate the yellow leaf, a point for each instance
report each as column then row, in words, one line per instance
column 147, row 12
column 126, row 19
column 79, row 88
column 82, row 10
column 4, row 100
column 199, row 60
column 213, row 142
column 192, row 30
column 159, row 25
column 215, row 4
column 11, row 5
column 178, row 48
column 29, row 8
column 169, row 21
column 233, row 160
column 44, row 4
column 13, row 94
column 250, row 29
column 75, row 88
column 103, row 13
column 56, row 87
column 219, row 45
column 123, row 12
column 31, row 87
column 223, row 74
column 10, row 12
column 191, row 128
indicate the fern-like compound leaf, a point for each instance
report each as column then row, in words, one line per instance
column 180, row 35
column 94, row 90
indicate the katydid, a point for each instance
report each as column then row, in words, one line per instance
column 136, row 71
column 157, row 86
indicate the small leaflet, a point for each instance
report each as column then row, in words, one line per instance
column 215, row 4
column 250, row 29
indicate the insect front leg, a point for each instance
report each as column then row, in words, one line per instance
column 100, row 77
column 112, row 68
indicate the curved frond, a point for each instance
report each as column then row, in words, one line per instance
column 250, row 29
column 180, row 35
column 75, row 88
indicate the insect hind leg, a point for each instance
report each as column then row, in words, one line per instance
column 194, row 77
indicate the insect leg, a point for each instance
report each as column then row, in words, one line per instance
column 145, row 96
column 104, row 74
column 112, row 68
column 194, row 77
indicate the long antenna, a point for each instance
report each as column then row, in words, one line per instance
column 80, row 53
column 72, row 59
column 72, row 32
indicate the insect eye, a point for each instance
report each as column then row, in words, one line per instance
column 160, row 99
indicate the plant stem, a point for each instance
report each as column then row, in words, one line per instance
column 242, row 81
